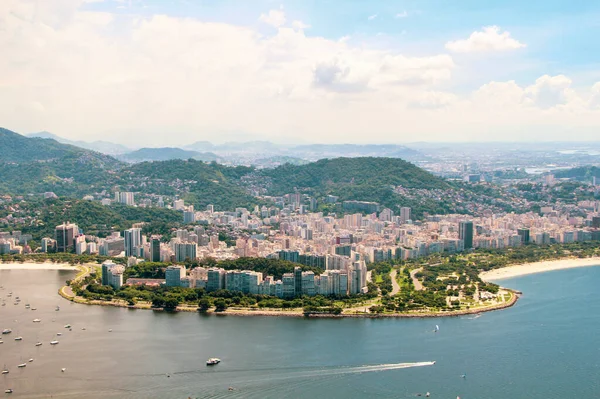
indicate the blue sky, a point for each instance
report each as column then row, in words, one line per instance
column 325, row 71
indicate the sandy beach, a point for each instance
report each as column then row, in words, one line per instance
column 36, row 266
column 538, row 267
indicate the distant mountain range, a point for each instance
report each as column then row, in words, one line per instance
column 260, row 153
column 104, row 147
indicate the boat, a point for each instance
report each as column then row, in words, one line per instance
column 36, row 320
column 18, row 338
column 22, row 365
column 110, row 330
column 57, row 308
column 30, row 360
column 33, row 308
column 8, row 391
column 27, row 306
column 3, row 303
column 38, row 344
column 5, row 370
column 59, row 334
column 1, row 342
column 6, row 331
column 212, row 361
column 68, row 326
column 63, row 369
column 83, row 328
column 53, row 342
column 437, row 328
column 427, row 395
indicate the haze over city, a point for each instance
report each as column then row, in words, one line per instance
column 171, row 73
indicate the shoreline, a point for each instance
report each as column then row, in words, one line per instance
column 515, row 270
column 241, row 312
column 31, row 265
column 524, row 269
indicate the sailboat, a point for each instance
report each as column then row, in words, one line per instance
column 5, row 370
column 437, row 328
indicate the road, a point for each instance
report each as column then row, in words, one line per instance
column 416, row 282
column 395, row 285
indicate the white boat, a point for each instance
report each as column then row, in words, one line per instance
column 110, row 330
column 27, row 306
column 5, row 370
column 53, row 342
column 8, row 391
column 57, row 308
column 38, row 344
column 59, row 334
column 212, row 361
column 6, row 331
column 63, row 369
column 68, row 326
column 19, row 339
column 33, row 308
column 36, row 320
column 1, row 342
column 30, row 360
column 22, row 365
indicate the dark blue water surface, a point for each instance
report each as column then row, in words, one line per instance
column 547, row 346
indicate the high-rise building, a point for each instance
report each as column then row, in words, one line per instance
column 155, row 249
column 524, row 234
column 126, row 198
column 173, row 276
column 596, row 222
column 64, row 235
column 465, row 233
column 133, row 240
column 297, row 281
column 405, row 214
column 215, row 279
column 185, row 251
column 189, row 217
column 112, row 274
column 210, row 208
column 178, row 205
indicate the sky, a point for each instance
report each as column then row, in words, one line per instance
column 155, row 73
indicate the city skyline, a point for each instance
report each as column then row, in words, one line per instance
column 379, row 72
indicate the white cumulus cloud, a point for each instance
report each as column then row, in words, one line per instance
column 275, row 18
column 489, row 39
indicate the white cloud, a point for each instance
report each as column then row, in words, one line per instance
column 402, row 14
column 489, row 39
column 550, row 91
column 300, row 25
column 275, row 18
column 372, row 17
column 594, row 101
column 161, row 80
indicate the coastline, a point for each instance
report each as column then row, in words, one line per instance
column 30, row 265
column 492, row 275
column 241, row 312
column 538, row 267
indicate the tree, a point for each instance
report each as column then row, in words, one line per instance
column 204, row 304
column 220, row 305
column 171, row 303
column 158, row 302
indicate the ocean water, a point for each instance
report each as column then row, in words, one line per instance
column 547, row 346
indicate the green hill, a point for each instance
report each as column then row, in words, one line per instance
column 209, row 183
column 95, row 218
column 20, row 149
column 342, row 173
column 583, row 173
column 165, row 154
column 361, row 179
